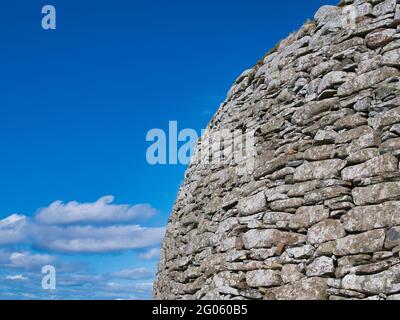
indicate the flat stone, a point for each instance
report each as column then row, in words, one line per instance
column 300, row 189
column 355, row 260
column 366, row 80
column 372, row 217
column 323, row 152
column 367, row 242
column 273, row 125
column 384, row 119
column 252, row 204
column 326, row 14
column 386, row 282
column 271, row 237
column 290, row 273
column 353, row 134
column 385, row 7
column 376, row 166
column 302, row 252
column 304, row 289
column 325, row 194
column 390, row 145
column 307, row 216
column 332, row 79
column 263, row 278
column 363, row 155
column 275, row 217
column 286, row 204
column 350, row 122
column 325, row 231
column 304, row 114
column 324, row 169
column 391, row 58
column 321, row 266
column 376, row 193
column 380, row 38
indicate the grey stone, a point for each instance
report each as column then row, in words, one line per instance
column 290, row 273
column 365, row 80
column 263, row 278
column 325, row 231
column 253, row 204
column 386, row 282
column 270, row 237
column 324, row 169
column 322, row 266
column 373, row 167
column 308, row 216
column 367, row 242
column 304, row 289
column 376, row 193
column 372, row 217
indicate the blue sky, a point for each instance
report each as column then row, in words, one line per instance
column 75, row 106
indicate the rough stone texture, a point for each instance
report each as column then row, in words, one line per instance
column 313, row 211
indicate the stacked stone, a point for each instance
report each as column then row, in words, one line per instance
column 319, row 217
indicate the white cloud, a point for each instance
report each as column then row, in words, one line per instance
column 13, row 229
column 89, row 239
column 98, row 227
column 28, row 260
column 133, row 274
column 150, row 254
column 17, row 277
column 102, row 211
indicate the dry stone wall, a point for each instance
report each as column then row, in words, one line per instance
column 319, row 216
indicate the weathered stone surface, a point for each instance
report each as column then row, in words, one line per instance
column 372, row 217
column 270, row 237
column 366, row 242
column 290, row 273
column 263, row 278
column 362, row 155
column 304, row 114
column 373, row 167
column 307, row 216
column 353, row 134
column 386, row 282
column 319, row 170
column 332, row 79
column 305, row 289
column 385, row 7
column 326, row 14
column 307, row 205
column 325, row 231
column 323, row 152
column 385, row 119
column 302, row 252
column 253, row 204
column 366, row 80
column 322, row 266
column 376, row 193
column 392, row 58
column 379, row 38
